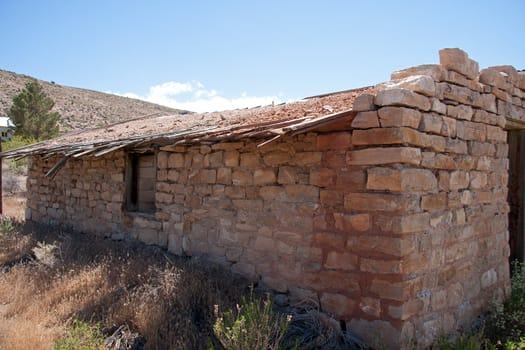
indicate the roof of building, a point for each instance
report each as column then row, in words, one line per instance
column 5, row 122
column 270, row 122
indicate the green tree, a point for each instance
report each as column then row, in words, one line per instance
column 31, row 113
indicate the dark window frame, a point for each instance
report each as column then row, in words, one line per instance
column 134, row 203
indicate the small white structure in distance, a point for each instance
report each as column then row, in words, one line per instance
column 7, row 128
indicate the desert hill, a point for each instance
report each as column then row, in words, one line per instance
column 80, row 108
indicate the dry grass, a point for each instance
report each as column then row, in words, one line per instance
column 167, row 300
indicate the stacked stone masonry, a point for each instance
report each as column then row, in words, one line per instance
column 397, row 224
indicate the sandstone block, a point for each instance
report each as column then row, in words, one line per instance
column 162, row 175
column 481, row 149
column 370, row 306
column 264, row 244
column 434, row 160
column 175, row 244
column 485, row 101
column 302, row 193
column 456, row 146
column 332, row 280
column 481, row 116
column 242, row 177
column 224, row 176
column 165, row 198
column 460, row 94
column 459, row 180
column 197, row 160
column 421, row 84
column 365, row 120
column 380, row 136
column 434, row 201
column 214, row 159
column 371, row 156
column 376, row 265
column 389, row 290
column 249, row 205
column 449, row 127
column 378, row 202
column 457, row 60
column 478, row 180
column 497, row 134
column 493, row 77
column 338, row 304
column 307, row 158
column 148, row 235
column 399, row 116
column 460, row 79
column 176, row 160
column 406, row 310
column 264, row 176
column 502, row 150
column 394, row 246
column 460, row 112
column 439, row 299
column 521, row 80
column 250, row 160
column 431, row 123
column 489, row 278
column 432, row 70
column 228, row 146
column 341, row 261
column 354, row 180
column 207, row 176
column 162, row 160
column 438, row 106
column 404, row 180
column 334, row 141
column 402, row 135
column 384, row 179
column 273, row 193
column 471, row 131
column 231, row 158
column 288, row 175
column 411, row 223
column 324, row 177
column 331, row 198
column 364, row 102
column 357, row 222
column 402, row 97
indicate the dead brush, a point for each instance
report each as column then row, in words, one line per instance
column 311, row 329
column 159, row 298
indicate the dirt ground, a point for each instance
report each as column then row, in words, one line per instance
column 14, row 206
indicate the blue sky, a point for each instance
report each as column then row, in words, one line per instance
column 205, row 55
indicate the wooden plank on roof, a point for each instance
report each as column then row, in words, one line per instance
column 54, row 170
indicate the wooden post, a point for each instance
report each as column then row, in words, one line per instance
column 520, row 242
column 1, row 171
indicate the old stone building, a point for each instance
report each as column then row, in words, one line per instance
column 387, row 205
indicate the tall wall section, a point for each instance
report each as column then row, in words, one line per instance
column 444, row 125
column 396, row 225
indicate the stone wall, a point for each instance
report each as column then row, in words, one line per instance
column 396, row 226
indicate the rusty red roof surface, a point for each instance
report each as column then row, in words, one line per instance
column 259, row 121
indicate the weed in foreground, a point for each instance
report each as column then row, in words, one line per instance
column 81, row 336
column 252, row 326
column 506, row 323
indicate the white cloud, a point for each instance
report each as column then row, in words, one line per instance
column 194, row 96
